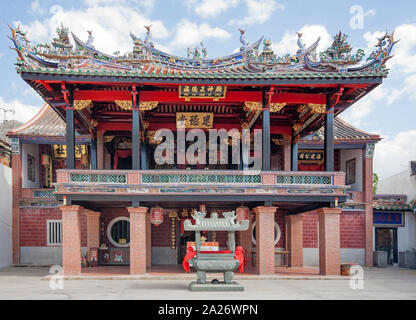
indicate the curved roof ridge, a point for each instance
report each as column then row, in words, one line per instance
column 29, row 123
column 355, row 128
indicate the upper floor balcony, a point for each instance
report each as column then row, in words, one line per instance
column 207, row 185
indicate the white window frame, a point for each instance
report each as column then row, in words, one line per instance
column 48, row 233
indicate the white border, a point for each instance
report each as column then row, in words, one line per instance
column 276, row 227
column 110, row 238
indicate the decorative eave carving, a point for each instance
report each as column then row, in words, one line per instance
column 148, row 105
column 82, row 104
column 124, row 104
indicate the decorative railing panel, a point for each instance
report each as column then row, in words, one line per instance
column 200, row 178
column 43, row 193
column 304, row 179
column 98, row 178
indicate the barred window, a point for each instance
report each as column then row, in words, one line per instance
column 54, row 232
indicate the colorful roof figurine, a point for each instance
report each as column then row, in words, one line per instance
column 60, row 57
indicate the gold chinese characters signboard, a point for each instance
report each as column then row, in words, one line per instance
column 59, row 151
column 210, row 92
column 311, row 156
column 193, row 120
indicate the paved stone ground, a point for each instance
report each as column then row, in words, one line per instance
column 26, row 283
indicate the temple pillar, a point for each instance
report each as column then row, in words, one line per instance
column 148, row 241
column 93, row 158
column 100, row 149
column 93, row 229
column 71, row 244
column 70, row 137
column 135, row 132
column 294, row 157
column 138, row 255
column 16, row 191
column 286, row 152
column 265, row 240
column 368, row 203
column 266, row 138
column 329, row 241
column 294, row 240
column 329, row 139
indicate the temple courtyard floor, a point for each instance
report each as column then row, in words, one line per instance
column 161, row 284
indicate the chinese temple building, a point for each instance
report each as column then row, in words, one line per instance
column 88, row 186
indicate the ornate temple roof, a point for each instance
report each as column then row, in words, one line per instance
column 214, row 223
column 61, row 57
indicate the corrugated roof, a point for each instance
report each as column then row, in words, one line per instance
column 45, row 123
column 392, row 206
column 343, row 131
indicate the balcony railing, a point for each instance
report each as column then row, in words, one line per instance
column 197, row 181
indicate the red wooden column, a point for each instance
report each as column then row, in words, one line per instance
column 329, row 241
column 16, row 190
column 138, row 240
column 71, row 246
column 265, row 240
column 294, row 238
column 93, row 229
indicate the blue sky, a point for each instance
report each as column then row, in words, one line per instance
column 178, row 24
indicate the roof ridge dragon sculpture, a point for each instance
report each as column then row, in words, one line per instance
column 61, row 54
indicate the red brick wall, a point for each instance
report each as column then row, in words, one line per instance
column 33, row 226
column 310, row 230
column 351, row 230
column 161, row 235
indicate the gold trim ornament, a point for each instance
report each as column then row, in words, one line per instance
column 253, row 106
column 277, row 142
column 124, row 104
column 276, row 107
column 151, row 138
column 317, row 108
column 148, row 105
column 82, row 104
column 296, row 127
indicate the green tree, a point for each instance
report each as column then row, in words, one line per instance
column 375, row 182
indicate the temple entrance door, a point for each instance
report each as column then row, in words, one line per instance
column 183, row 239
column 386, row 240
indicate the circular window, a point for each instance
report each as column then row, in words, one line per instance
column 118, row 232
column 277, row 233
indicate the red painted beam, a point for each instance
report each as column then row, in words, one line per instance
column 298, row 98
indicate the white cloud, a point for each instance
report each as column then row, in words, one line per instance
column 288, row 44
column 110, row 21
column 258, row 12
column 210, row 8
column 37, row 8
column 392, row 155
column 23, row 112
column 361, row 109
column 188, row 34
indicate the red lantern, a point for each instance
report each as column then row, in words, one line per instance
column 45, row 160
column 156, row 216
column 242, row 213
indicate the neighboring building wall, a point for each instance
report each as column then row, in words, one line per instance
column 350, row 154
column 5, row 216
column 402, row 183
column 30, row 150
